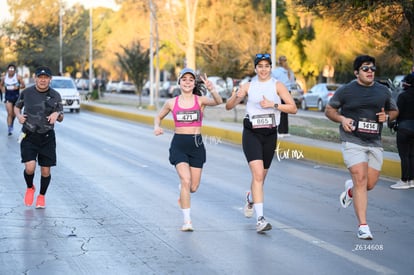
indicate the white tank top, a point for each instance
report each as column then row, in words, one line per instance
column 11, row 83
column 256, row 92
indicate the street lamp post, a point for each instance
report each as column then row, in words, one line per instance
column 90, row 51
column 273, row 32
column 60, row 38
column 151, row 65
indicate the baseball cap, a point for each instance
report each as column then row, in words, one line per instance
column 262, row 56
column 43, row 70
column 186, row 71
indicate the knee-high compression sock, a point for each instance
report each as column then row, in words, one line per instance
column 44, row 184
column 28, row 179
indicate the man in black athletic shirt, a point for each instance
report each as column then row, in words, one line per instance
column 42, row 108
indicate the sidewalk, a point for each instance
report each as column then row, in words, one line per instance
column 292, row 147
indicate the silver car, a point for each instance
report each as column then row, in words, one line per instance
column 66, row 87
column 319, row 95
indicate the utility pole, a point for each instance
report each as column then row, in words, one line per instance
column 273, row 32
column 151, row 58
column 90, row 52
column 60, row 38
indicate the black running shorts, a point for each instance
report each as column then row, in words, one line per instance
column 189, row 149
column 40, row 147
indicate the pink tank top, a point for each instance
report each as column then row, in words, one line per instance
column 190, row 117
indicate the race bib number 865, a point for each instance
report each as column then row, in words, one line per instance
column 263, row 121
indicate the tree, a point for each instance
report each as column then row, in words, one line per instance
column 388, row 24
column 36, row 34
column 135, row 62
column 227, row 44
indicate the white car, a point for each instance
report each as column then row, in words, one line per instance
column 67, row 89
column 397, row 82
column 223, row 87
column 112, row 86
column 126, row 87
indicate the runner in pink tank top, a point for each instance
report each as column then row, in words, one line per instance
column 187, row 151
column 187, row 117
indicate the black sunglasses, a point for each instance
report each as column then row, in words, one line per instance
column 262, row 55
column 367, row 68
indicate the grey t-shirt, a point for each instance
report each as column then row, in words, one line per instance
column 362, row 103
column 37, row 107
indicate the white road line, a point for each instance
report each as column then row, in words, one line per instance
column 331, row 248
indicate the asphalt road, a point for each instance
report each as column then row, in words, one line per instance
column 112, row 208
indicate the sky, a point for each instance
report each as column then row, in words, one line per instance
column 4, row 14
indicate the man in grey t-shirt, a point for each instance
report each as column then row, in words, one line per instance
column 361, row 108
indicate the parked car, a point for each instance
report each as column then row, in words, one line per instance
column 111, row 86
column 394, row 90
column 66, row 87
column 397, row 82
column 319, row 95
column 82, row 84
column 146, row 88
column 223, row 87
column 126, row 87
column 165, row 88
column 297, row 93
column 174, row 90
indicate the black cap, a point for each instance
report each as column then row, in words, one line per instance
column 262, row 56
column 43, row 70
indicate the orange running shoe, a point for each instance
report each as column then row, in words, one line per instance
column 40, row 202
column 28, row 197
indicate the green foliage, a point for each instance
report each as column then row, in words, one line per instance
column 37, row 40
column 388, row 24
column 135, row 63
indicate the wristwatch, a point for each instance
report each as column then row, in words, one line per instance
column 275, row 106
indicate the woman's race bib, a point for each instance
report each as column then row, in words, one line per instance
column 188, row 116
column 263, row 121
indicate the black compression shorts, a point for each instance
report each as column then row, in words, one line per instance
column 259, row 144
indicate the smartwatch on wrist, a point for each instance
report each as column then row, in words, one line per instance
column 276, row 106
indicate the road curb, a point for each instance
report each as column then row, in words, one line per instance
column 286, row 149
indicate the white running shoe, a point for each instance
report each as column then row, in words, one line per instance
column 411, row 183
column 364, row 233
column 262, row 225
column 401, row 185
column 344, row 198
column 248, row 207
column 187, row 227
